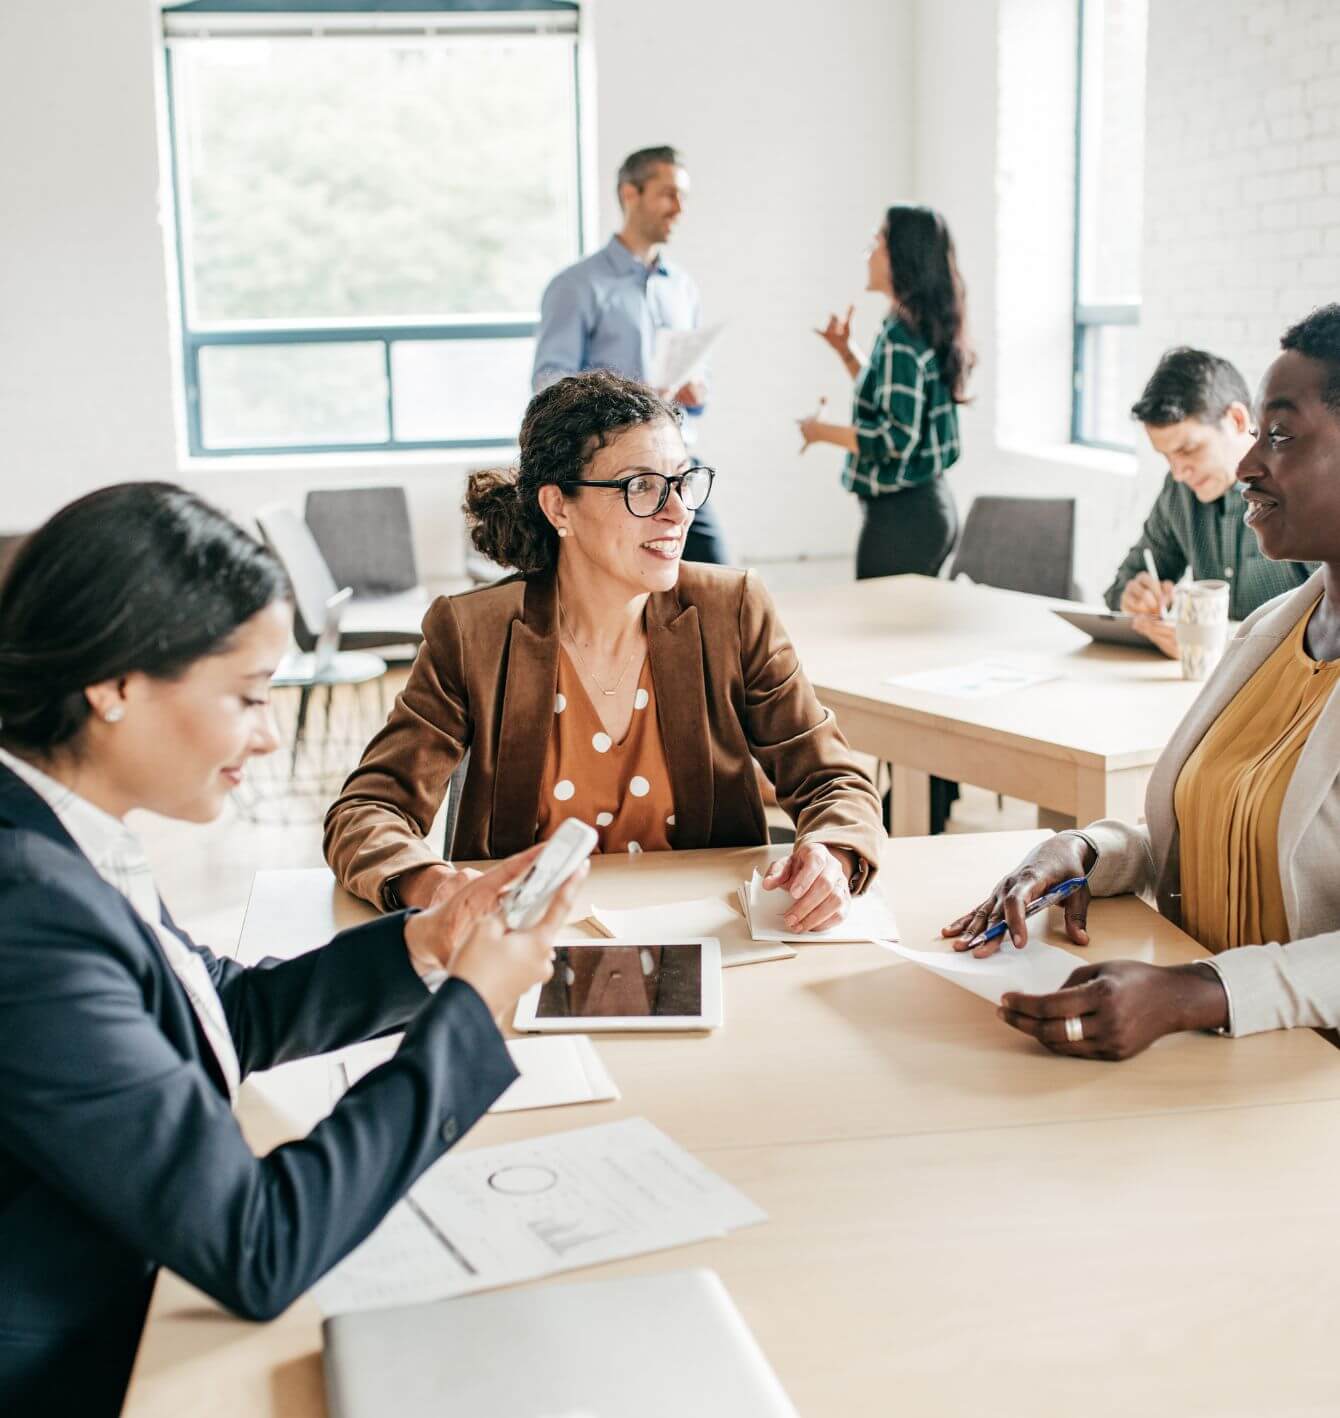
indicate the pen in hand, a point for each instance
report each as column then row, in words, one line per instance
column 1050, row 898
column 814, row 417
column 1158, row 585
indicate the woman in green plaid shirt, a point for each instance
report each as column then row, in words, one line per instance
column 904, row 430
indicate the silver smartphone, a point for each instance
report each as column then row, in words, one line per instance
column 526, row 900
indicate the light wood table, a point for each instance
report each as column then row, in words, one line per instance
column 959, row 1221
column 1081, row 746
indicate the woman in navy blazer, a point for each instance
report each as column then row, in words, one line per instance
column 138, row 632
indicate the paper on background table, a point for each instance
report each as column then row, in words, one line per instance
column 870, row 917
column 978, row 679
column 709, row 916
column 554, row 1071
column 1037, row 969
column 525, row 1209
column 679, row 356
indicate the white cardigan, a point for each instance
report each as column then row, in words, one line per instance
column 1270, row 986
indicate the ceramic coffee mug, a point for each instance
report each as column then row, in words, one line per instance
column 1200, row 609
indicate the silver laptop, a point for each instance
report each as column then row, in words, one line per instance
column 653, row 1346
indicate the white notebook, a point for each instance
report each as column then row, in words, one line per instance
column 870, row 917
column 650, row 1346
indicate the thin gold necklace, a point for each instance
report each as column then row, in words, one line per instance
column 581, row 659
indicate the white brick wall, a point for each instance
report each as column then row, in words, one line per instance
column 1242, row 174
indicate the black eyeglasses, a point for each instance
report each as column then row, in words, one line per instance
column 644, row 494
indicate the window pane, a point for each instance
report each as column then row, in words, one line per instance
column 460, row 389
column 1111, row 384
column 337, row 178
column 263, row 395
column 1112, row 149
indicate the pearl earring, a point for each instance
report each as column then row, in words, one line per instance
column 562, row 531
column 114, row 715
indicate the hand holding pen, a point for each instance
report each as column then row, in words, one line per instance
column 1145, row 594
column 1062, row 861
column 806, row 426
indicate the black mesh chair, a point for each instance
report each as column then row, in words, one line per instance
column 1020, row 544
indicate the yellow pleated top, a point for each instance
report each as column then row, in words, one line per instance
column 1229, row 794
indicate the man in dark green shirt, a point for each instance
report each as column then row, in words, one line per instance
column 1195, row 411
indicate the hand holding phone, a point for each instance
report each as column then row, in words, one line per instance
column 525, row 902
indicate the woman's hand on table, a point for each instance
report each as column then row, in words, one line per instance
column 459, row 901
column 501, row 965
column 1058, row 859
column 816, row 878
column 1120, row 1007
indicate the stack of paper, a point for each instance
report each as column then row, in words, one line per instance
column 869, row 918
column 718, row 916
column 554, row 1071
column 499, row 1215
column 1037, row 969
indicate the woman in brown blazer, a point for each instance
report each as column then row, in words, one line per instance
column 605, row 680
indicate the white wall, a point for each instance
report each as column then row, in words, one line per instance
column 1242, row 184
column 797, row 137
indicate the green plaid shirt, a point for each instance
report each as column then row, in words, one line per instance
column 1212, row 539
column 906, row 423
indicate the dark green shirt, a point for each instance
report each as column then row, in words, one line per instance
column 1212, row 539
column 906, row 422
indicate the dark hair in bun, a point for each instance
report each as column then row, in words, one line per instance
column 564, row 427
column 138, row 578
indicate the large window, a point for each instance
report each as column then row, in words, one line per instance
column 368, row 209
column 1109, row 175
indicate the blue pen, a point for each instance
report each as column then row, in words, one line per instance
column 1057, row 893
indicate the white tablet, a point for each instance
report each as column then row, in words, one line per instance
column 670, row 983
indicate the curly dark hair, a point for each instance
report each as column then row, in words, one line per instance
column 565, row 425
column 1318, row 337
column 928, row 287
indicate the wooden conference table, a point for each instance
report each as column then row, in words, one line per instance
column 959, row 1222
column 1081, row 745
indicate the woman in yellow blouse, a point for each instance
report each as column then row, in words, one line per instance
column 1243, row 809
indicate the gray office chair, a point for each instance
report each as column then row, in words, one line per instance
column 1020, row 544
column 291, row 540
column 454, row 805
column 364, row 536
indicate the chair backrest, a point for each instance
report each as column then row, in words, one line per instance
column 1020, row 544
column 364, row 533
column 289, row 537
column 10, row 542
column 454, row 805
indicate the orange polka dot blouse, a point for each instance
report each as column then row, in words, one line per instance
column 620, row 789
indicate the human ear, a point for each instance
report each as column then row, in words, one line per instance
column 554, row 506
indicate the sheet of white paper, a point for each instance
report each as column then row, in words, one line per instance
column 979, row 679
column 1037, row 969
column 679, row 356
column 870, row 917
column 499, row 1215
column 554, row 1071
column 711, row 916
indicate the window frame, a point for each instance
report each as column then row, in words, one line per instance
column 254, row 20
column 1088, row 316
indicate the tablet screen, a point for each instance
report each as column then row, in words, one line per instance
column 624, row 982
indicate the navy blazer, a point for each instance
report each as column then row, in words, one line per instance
column 119, row 1151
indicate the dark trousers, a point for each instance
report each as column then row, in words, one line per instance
column 705, row 541
column 909, row 531
column 912, row 531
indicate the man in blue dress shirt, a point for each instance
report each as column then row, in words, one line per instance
column 604, row 312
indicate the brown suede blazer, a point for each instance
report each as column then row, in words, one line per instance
column 729, row 689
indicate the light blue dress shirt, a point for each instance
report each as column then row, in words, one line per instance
column 604, row 312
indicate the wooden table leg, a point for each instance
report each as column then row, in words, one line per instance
column 911, row 802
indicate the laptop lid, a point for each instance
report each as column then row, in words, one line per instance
column 654, row 1346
